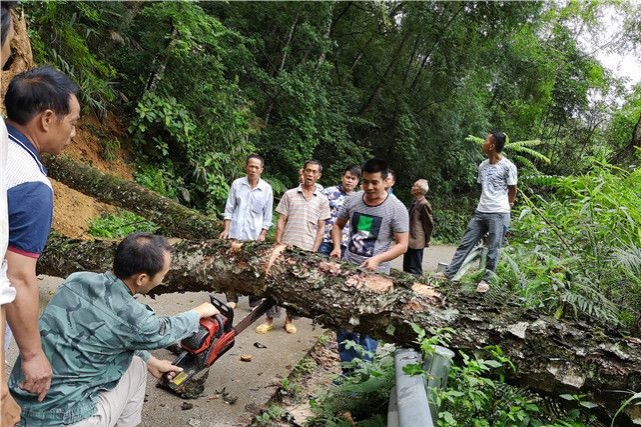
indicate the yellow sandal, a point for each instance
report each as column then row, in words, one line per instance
column 290, row 328
column 264, row 328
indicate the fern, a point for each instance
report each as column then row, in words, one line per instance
column 519, row 151
column 539, row 180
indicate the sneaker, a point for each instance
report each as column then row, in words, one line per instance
column 482, row 287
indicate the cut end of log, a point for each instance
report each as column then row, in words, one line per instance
column 276, row 251
column 376, row 283
column 235, row 246
column 425, row 290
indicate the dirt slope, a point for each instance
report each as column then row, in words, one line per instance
column 72, row 210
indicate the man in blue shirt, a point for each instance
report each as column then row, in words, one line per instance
column 42, row 112
column 248, row 211
column 9, row 410
column 96, row 336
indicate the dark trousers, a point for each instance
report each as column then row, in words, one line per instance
column 326, row 248
column 413, row 261
column 233, row 297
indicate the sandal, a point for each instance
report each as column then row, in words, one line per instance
column 290, row 328
column 482, row 287
column 264, row 328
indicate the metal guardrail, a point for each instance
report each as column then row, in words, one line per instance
column 409, row 404
column 479, row 253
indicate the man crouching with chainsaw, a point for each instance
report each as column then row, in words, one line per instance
column 96, row 336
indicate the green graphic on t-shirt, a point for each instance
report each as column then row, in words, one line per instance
column 365, row 223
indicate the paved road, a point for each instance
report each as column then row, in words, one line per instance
column 252, row 382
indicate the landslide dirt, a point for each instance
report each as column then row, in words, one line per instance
column 73, row 211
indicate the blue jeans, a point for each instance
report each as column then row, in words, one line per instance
column 496, row 225
column 347, row 355
column 326, row 248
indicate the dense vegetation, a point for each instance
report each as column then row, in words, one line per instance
column 199, row 85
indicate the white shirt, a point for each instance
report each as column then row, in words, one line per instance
column 7, row 293
column 494, row 180
column 249, row 209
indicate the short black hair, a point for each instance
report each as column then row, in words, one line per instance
column 34, row 91
column 390, row 171
column 499, row 140
column 257, row 157
column 313, row 162
column 5, row 19
column 140, row 253
column 376, row 165
column 354, row 170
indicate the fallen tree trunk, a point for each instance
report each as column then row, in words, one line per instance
column 173, row 218
column 551, row 356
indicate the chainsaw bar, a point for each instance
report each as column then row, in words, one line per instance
column 255, row 314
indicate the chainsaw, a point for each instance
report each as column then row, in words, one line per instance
column 215, row 337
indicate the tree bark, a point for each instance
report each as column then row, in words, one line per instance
column 174, row 219
column 21, row 55
column 551, row 356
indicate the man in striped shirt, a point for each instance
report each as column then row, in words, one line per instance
column 302, row 214
column 42, row 112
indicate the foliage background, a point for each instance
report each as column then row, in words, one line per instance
column 201, row 84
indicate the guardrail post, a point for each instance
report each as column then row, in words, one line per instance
column 437, row 368
column 410, row 405
column 411, row 397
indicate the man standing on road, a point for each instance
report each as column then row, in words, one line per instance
column 248, row 211
column 42, row 112
column 378, row 234
column 97, row 335
column 302, row 214
column 421, row 226
column 498, row 177
column 337, row 196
